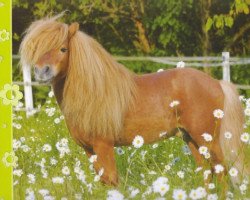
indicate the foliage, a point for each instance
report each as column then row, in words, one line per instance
column 227, row 20
column 155, row 27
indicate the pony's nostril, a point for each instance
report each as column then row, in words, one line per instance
column 46, row 69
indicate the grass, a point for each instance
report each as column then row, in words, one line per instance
column 138, row 168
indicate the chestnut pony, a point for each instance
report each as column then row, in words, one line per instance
column 105, row 105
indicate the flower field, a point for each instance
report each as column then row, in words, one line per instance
column 51, row 166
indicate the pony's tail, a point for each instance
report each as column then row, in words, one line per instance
column 233, row 120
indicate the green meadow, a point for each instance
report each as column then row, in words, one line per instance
column 51, row 166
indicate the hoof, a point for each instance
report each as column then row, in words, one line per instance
column 110, row 180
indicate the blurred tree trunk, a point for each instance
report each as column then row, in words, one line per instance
column 205, row 40
column 137, row 8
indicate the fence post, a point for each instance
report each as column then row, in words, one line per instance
column 226, row 66
column 28, row 97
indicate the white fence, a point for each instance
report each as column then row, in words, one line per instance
column 225, row 62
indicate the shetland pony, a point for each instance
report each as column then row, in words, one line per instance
column 106, row 105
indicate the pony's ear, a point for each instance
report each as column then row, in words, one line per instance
column 73, row 28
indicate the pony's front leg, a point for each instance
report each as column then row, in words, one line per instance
column 106, row 160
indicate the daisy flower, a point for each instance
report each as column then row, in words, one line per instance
column 93, row 158
column 207, row 137
column 58, row 180
column 174, row 103
column 66, row 170
column 218, row 113
column 212, row 197
column 180, row 174
column 218, row 168
column 228, row 135
column 211, row 186
column 247, row 112
column 114, row 195
column 51, row 94
column 160, row 185
column 244, row 137
column 206, row 173
column 180, row 64
column 207, row 155
column 203, row 150
column 233, row 172
column 179, row 194
column 57, row 120
column 162, row 134
column 138, row 141
column 47, row 148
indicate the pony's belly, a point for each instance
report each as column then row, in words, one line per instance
column 150, row 128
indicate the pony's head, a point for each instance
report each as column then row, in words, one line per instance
column 46, row 48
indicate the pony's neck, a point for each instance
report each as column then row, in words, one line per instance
column 58, row 87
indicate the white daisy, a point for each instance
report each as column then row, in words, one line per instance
column 206, row 173
column 174, row 103
column 244, row 137
column 242, row 98
column 180, row 174
column 243, row 188
column 162, row 134
column 233, row 172
column 18, row 172
column 160, row 185
column 66, row 170
column 134, row 192
column 207, row 155
column 248, row 102
column 211, row 186
column 180, row 64
column 203, row 150
column 228, row 135
column 138, row 141
column 114, row 195
column 93, row 158
column 218, row 113
column 44, row 192
column 47, row 148
column 57, row 120
column 207, row 137
column 247, row 112
column 194, row 194
column 212, row 197
column 218, row 168
column 32, row 178
column 51, row 94
column 58, row 180
column 179, row 194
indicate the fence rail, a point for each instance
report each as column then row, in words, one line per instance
column 225, row 61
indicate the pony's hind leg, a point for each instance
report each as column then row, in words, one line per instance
column 194, row 149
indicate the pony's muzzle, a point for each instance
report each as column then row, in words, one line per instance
column 43, row 74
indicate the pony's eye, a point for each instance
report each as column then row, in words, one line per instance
column 64, row 50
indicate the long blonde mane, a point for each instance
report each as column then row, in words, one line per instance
column 98, row 91
column 41, row 37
